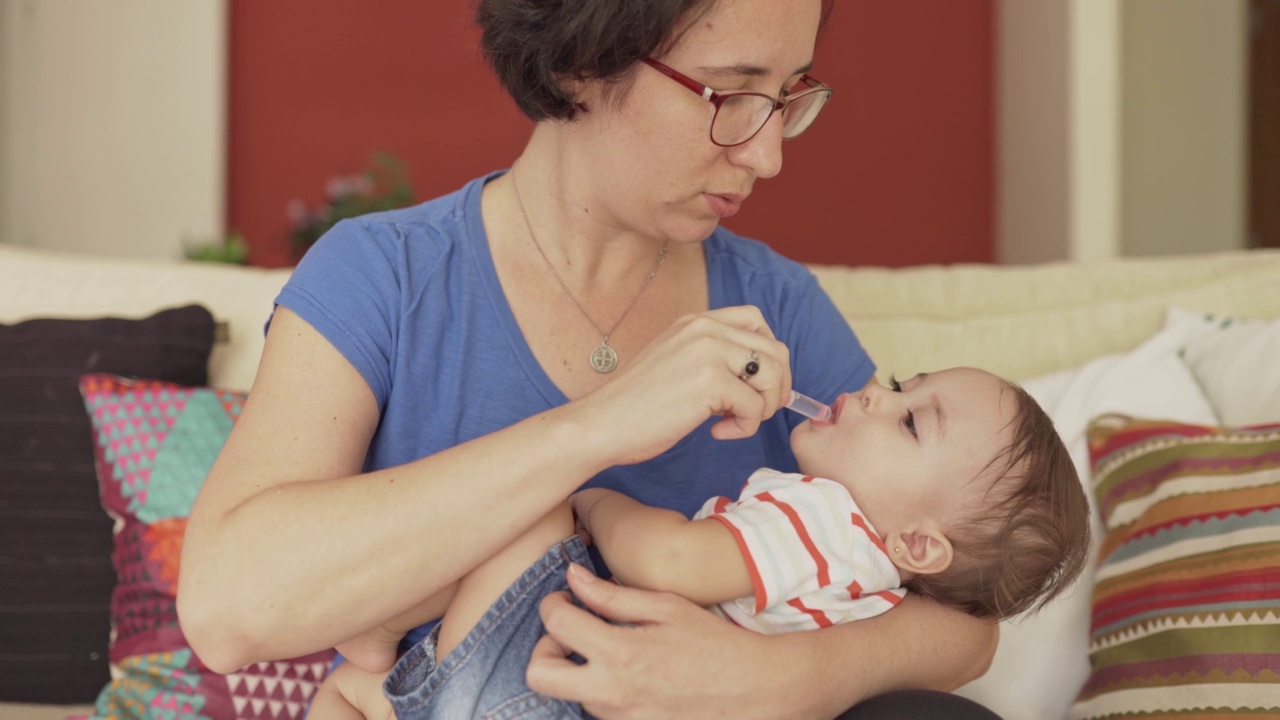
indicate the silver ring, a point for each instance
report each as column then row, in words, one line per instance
column 751, row 368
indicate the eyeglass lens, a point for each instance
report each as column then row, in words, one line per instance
column 741, row 116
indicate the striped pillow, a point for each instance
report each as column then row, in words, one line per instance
column 1186, row 607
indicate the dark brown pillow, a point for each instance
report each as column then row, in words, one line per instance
column 55, row 539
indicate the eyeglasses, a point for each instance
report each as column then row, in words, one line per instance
column 736, row 117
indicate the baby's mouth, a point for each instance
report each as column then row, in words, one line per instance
column 837, row 407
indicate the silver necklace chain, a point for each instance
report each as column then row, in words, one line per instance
column 603, row 358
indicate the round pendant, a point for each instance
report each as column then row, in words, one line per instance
column 604, row 359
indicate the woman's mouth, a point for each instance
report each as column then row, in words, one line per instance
column 724, row 206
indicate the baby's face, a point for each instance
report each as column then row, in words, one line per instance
column 913, row 448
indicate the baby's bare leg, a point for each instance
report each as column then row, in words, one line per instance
column 480, row 588
column 349, row 693
column 375, row 651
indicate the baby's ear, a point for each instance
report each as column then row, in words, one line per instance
column 920, row 549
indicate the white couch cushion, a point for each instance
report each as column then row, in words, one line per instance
column 1022, row 322
column 1237, row 363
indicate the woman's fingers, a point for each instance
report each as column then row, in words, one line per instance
column 549, row 665
column 616, row 602
column 743, row 317
column 551, row 671
column 667, row 658
column 691, row 372
column 740, row 337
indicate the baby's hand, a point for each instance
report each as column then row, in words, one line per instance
column 374, row 651
column 582, row 502
column 583, row 533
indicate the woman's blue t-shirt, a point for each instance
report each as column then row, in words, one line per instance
column 411, row 298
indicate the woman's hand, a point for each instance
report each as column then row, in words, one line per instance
column 692, row 371
column 672, row 659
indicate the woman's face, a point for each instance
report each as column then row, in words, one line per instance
column 653, row 166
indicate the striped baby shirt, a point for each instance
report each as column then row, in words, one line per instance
column 814, row 559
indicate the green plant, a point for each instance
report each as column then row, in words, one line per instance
column 383, row 186
column 231, row 249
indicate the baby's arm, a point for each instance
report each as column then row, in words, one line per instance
column 658, row 549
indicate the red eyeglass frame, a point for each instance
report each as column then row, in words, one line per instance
column 717, row 98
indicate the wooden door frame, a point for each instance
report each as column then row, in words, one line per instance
column 1264, row 123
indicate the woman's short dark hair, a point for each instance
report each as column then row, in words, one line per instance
column 535, row 46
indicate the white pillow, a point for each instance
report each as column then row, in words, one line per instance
column 1236, row 362
column 1042, row 661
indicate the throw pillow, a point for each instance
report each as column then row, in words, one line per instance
column 1235, row 361
column 55, row 543
column 155, row 443
column 1186, row 606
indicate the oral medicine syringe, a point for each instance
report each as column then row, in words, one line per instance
column 809, row 407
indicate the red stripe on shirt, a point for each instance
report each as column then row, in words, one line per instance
column 855, row 590
column 861, row 522
column 722, row 502
column 889, row 596
column 757, row 582
column 817, row 615
column 824, row 573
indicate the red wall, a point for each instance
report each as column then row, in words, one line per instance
column 899, row 170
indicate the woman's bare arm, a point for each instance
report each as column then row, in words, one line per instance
column 290, row 549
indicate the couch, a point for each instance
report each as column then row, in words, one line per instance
column 1103, row 345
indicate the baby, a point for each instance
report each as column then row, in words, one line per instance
column 953, row 485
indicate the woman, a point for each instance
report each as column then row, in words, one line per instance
column 436, row 380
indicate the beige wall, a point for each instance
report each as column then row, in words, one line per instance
column 1096, row 135
column 1184, row 167
column 1121, row 128
column 7, row 44
column 112, row 138
column 1033, row 169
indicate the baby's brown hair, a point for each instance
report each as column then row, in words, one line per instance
column 1029, row 538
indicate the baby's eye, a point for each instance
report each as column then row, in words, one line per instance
column 908, row 420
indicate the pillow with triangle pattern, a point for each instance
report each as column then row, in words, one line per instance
column 154, row 443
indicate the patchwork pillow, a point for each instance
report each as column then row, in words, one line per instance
column 1236, row 361
column 55, row 543
column 155, row 443
column 1186, row 606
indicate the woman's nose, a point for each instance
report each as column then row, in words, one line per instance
column 762, row 153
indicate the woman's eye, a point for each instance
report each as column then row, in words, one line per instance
column 910, row 422
column 894, row 385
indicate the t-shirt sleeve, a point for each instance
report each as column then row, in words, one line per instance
column 794, row 535
column 348, row 287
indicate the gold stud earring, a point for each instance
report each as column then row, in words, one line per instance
column 897, row 549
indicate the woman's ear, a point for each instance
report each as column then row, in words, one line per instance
column 585, row 93
column 920, row 549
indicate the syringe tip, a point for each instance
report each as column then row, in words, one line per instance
column 809, row 407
